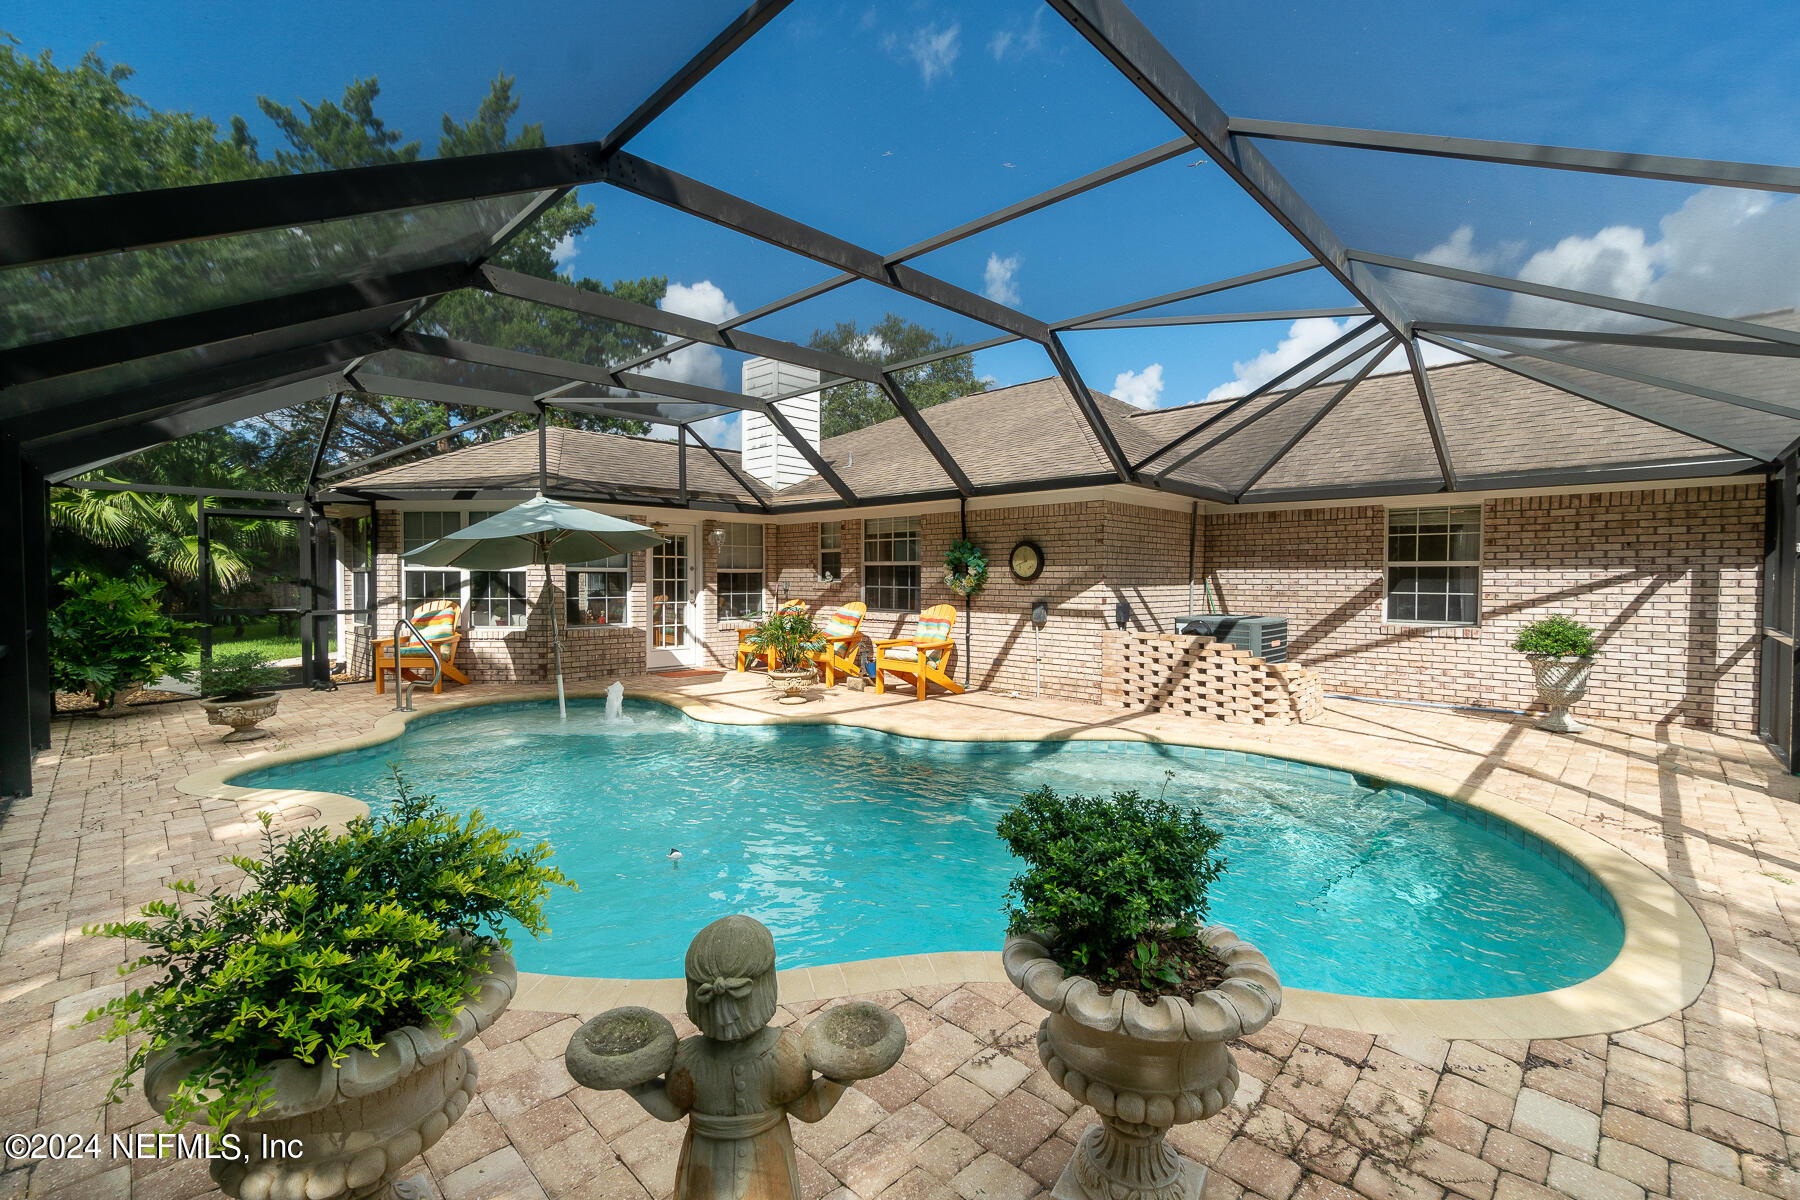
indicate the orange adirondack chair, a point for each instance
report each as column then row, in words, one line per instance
column 842, row 630
column 923, row 657
column 437, row 622
column 748, row 654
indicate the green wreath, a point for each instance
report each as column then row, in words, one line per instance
column 965, row 568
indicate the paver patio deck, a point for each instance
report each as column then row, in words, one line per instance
column 1703, row 1105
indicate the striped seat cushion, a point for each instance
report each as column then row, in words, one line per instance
column 911, row 654
column 933, row 629
column 791, row 606
column 436, row 622
column 841, row 623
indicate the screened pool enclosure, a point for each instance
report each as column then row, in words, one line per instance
column 130, row 320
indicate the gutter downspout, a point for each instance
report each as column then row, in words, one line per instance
column 1193, row 533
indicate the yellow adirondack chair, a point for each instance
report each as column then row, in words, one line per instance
column 842, row 630
column 748, row 654
column 437, row 622
column 923, row 657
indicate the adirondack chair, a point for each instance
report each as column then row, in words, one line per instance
column 748, row 654
column 437, row 622
column 923, row 657
column 842, row 630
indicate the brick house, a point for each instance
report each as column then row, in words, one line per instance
column 1392, row 587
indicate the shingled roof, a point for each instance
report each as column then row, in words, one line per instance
column 1498, row 426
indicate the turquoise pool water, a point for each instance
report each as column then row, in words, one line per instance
column 852, row 844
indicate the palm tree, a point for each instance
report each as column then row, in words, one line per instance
column 164, row 530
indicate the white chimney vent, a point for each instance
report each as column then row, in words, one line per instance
column 768, row 456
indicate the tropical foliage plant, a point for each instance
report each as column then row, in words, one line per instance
column 965, row 568
column 109, row 634
column 333, row 941
column 786, row 638
column 1106, row 877
column 237, row 675
column 1558, row 636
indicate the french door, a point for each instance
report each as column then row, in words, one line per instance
column 674, row 612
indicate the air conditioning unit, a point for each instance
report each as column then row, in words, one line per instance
column 1265, row 637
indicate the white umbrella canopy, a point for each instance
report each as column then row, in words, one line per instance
column 539, row 532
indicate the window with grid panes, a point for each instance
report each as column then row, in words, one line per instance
column 599, row 591
column 891, row 564
column 741, row 571
column 1434, row 565
column 831, row 551
column 420, row 584
column 497, row 598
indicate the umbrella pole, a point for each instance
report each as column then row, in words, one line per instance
column 562, row 703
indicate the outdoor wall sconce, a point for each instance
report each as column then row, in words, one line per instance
column 716, row 535
column 1122, row 614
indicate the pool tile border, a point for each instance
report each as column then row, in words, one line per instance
column 1664, row 963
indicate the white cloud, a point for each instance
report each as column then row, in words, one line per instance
column 874, row 345
column 701, row 365
column 1142, row 388
column 1000, row 280
column 1303, row 338
column 934, row 49
column 1020, row 39
column 564, row 251
column 1727, row 251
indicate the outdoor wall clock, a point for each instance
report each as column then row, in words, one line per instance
column 1027, row 561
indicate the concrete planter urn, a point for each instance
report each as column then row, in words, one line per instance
column 1561, row 683
column 1143, row 1068
column 341, row 1133
column 792, row 684
column 242, row 714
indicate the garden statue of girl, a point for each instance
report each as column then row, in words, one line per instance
column 738, row 1081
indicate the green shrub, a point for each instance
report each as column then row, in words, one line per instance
column 336, row 940
column 1103, row 874
column 237, row 675
column 787, row 638
column 109, row 635
column 1559, row 635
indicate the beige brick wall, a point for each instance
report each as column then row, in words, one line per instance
column 1668, row 578
column 1095, row 553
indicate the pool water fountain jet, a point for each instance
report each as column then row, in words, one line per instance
column 615, row 703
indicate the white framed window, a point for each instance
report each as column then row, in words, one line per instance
column 831, row 551
column 1434, row 565
column 497, row 598
column 490, row 598
column 419, row 584
column 891, row 564
column 741, row 571
column 600, row 591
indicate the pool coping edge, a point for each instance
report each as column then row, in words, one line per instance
column 1660, row 969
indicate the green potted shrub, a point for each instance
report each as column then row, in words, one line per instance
column 1561, row 652
column 788, row 640
column 316, row 1012
column 110, row 635
column 1106, row 935
column 235, row 688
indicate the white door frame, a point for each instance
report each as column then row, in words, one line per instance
column 665, row 657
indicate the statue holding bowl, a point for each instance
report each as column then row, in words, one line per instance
column 738, row 1081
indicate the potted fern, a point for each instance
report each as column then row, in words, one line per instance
column 315, row 1014
column 789, row 640
column 1561, row 652
column 236, row 690
column 1107, row 936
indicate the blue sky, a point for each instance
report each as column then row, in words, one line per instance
column 887, row 123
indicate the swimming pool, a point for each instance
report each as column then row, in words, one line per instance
column 853, row 844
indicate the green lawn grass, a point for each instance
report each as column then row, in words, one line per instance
column 261, row 636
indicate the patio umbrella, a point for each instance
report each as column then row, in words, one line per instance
column 540, row 531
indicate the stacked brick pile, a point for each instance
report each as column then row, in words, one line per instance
column 1193, row 676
